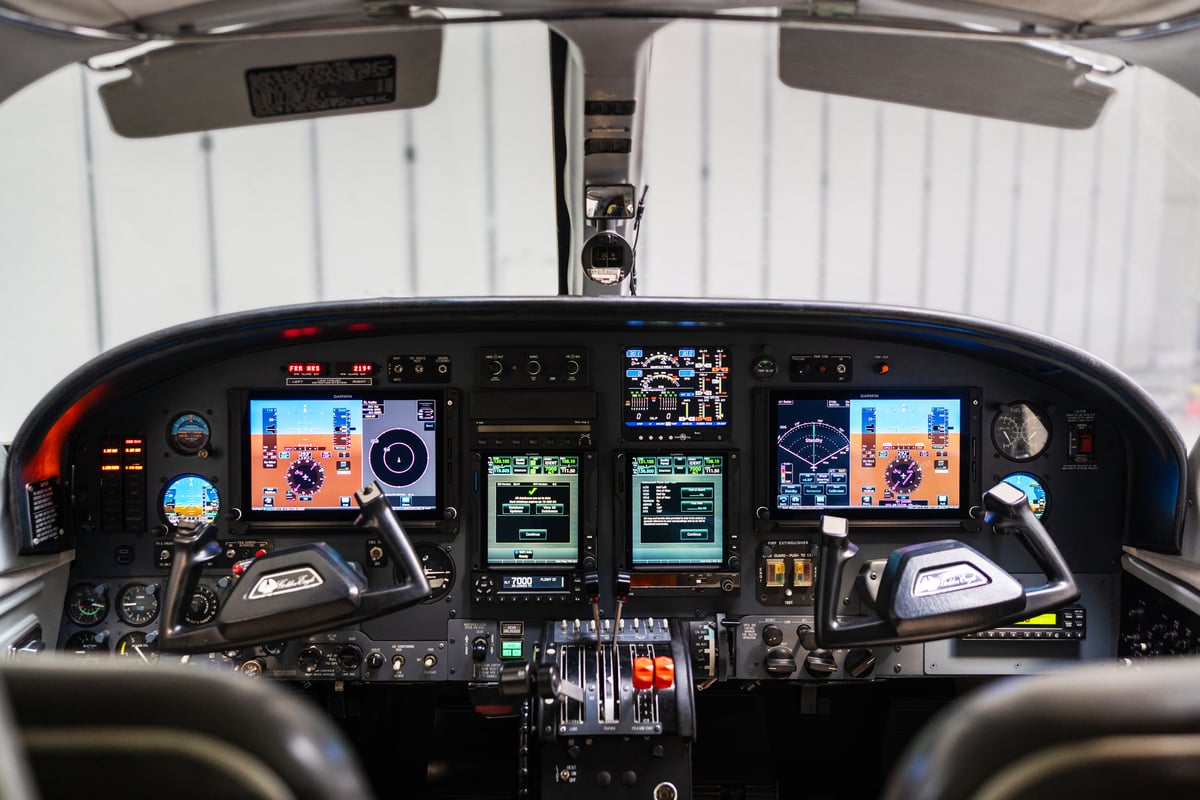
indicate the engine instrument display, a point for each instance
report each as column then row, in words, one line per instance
column 685, row 386
column 190, row 498
column 870, row 452
column 531, row 510
column 311, row 453
column 677, row 507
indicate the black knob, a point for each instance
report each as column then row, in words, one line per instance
column 350, row 658
column 780, row 662
column 308, row 660
column 808, row 639
column 479, row 648
column 859, row 662
column 375, row 661
column 772, row 636
column 820, row 664
column 495, row 368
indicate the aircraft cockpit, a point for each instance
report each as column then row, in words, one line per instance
column 596, row 544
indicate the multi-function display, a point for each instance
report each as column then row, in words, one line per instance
column 678, row 510
column 314, row 452
column 531, row 509
column 684, row 386
column 865, row 451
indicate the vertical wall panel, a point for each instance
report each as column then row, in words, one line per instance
column 363, row 175
column 452, row 217
column 795, row 194
column 1141, row 251
column 1028, row 291
column 735, row 119
column 263, row 202
column 851, row 208
column 526, row 249
column 1072, row 236
column 901, row 206
column 943, row 282
column 671, row 236
column 990, row 255
column 1103, row 300
column 48, row 324
column 151, row 235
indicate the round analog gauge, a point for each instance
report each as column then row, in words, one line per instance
column 87, row 643
column 1035, row 492
column 203, row 608
column 188, row 433
column 438, row 568
column 139, row 645
column 137, row 604
column 87, row 604
column 190, row 498
column 305, row 477
column 902, row 475
column 1021, row 431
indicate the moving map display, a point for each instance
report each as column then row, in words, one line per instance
column 868, row 453
column 314, row 453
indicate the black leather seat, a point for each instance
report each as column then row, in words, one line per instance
column 110, row 729
column 1093, row 732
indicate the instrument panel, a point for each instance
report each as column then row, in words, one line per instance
column 626, row 475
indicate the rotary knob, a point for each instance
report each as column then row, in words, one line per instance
column 859, row 662
column 820, row 664
column 780, row 662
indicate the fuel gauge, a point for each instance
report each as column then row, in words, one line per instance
column 1021, row 431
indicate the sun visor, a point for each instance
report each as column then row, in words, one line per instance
column 1005, row 80
column 228, row 84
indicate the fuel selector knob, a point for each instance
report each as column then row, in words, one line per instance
column 780, row 662
column 820, row 664
column 859, row 662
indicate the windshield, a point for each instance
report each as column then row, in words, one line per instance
column 752, row 189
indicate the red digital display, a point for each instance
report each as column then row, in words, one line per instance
column 361, row 368
column 305, row 368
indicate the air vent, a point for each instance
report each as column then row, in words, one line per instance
column 593, row 147
column 609, row 108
